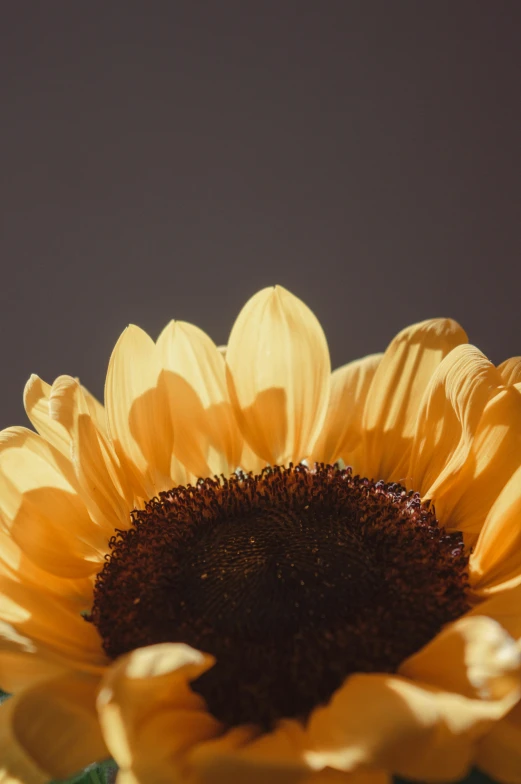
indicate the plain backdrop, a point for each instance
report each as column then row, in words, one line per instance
column 167, row 159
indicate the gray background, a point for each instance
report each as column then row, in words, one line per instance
column 167, row 159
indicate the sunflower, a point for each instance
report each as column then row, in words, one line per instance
column 245, row 567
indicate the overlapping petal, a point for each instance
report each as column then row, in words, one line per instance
column 342, row 430
column 50, row 730
column 207, row 439
column 395, row 395
column 149, row 714
column 279, row 367
column 432, row 412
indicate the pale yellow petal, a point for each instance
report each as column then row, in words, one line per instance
column 242, row 754
column 144, row 695
column 21, row 661
column 453, row 404
column 510, row 370
column 103, row 485
column 342, row 430
column 410, row 729
column 496, row 558
column 474, row 657
column 493, row 457
column 139, row 427
column 504, row 607
column 16, row 765
column 15, row 564
column 499, row 752
column 250, row 460
column 96, row 410
column 36, row 400
column 51, row 624
column 206, row 435
column 395, row 395
column 42, row 511
column 50, row 730
column 279, row 379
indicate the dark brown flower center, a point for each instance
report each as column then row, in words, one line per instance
column 292, row 579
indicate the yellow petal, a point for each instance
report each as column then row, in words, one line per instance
column 279, row 375
column 454, row 402
column 21, row 662
column 16, row 766
column 50, row 624
column 139, row 426
column 16, row 565
column 410, row 729
column 96, row 410
column 473, row 656
column 504, row 607
column 342, row 430
column 206, row 435
column 144, row 696
column 499, row 752
column 496, row 557
column 103, row 485
column 510, row 370
column 36, row 400
column 395, row 395
column 42, row 510
column 243, row 755
column 50, row 731
column 493, row 457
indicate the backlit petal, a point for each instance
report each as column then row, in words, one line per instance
column 494, row 455
column 510, row 370
column 149, row 715
column 206, row 435
column 279, row 375
column 448, row 418
column 51, row 729
column 474, row 656
column 342, row 430
column 139, row 425
column 395, row 395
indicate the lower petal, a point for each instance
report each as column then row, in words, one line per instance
column 499, row 752
column 50, row 730
column 149, row 714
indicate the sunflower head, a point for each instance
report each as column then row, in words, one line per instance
column 243, row 564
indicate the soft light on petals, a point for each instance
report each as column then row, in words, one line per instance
column 138, row 421
column 499, row 752
column 410, row 729
column 496, row 558
column 96, row 410
column 36, row 400
column 503, row 606
column 395, row 395
column 342, row 430
column 453, row 404
column 206, row 436
column 494, row 455
column 279, row 375
column 50, row 728
column 21, row 663
column 16, row 766
column 510, row 370
column 144, row 697
column 42, row 511
column 474, row 656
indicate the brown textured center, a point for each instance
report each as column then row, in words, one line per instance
column 292, row 579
